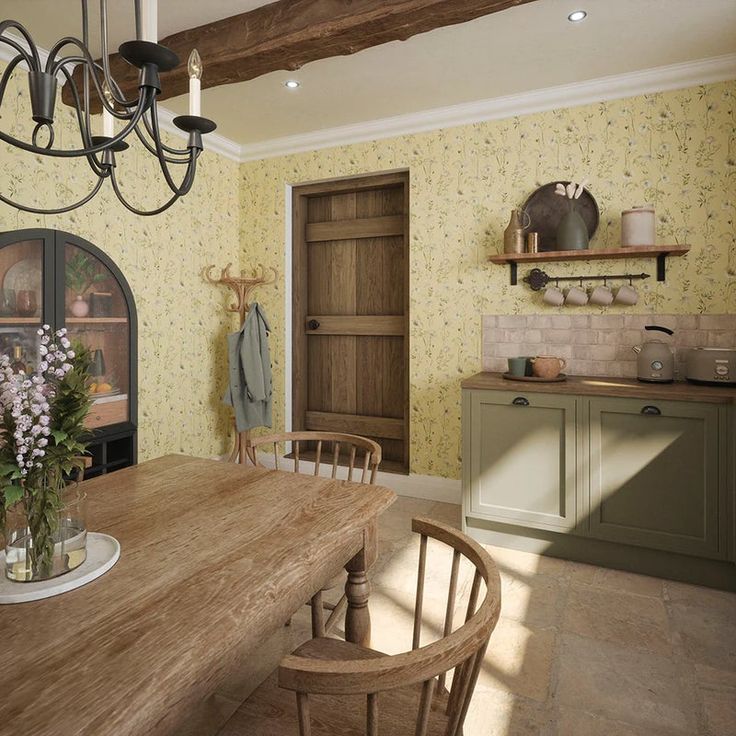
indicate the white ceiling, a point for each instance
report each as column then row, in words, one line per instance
column 525, row 48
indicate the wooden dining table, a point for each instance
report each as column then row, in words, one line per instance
column 215, row 558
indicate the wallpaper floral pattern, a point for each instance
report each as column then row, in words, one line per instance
column 182, row 321
column 675, row 150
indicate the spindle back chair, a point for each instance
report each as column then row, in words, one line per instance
column 403, row 693
column 363, row 459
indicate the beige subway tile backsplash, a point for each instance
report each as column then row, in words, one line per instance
column 598, row 344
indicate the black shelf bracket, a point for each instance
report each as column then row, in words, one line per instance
column 513, row 268
column 661, row 266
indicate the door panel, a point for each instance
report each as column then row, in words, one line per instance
column 350, row 311
column 654, row 476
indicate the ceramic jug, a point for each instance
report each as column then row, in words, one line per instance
column 513, row 235
column 572, row 232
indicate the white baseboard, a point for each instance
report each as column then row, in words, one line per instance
column 428, row 487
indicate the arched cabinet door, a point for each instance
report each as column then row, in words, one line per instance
column 57, row 278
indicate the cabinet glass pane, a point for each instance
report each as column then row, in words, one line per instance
column 21, row 283
column 96, row 314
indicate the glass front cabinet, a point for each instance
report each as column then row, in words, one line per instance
column 52, row 277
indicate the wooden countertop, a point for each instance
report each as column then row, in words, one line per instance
column 605, row 386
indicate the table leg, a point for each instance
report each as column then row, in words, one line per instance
column 357, row 590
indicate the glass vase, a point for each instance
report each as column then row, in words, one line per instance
column 61, row 532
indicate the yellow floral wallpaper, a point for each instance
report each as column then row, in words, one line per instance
column 675, row 150
column 182, row 322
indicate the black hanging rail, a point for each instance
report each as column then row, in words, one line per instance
column 538, row 279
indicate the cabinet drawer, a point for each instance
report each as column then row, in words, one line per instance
column 654, row 474
column 523, row 455
column 110, row 412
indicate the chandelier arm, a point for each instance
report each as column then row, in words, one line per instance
column 160, row 152
column 189, row 176
column 95, row 165
column 149, row 127
column 22, row 53
column 61, row 65
column 59, row 210
column 76, row 153
column 9, row 69
column 5, row 25
column 85, row 87
column 112, row 85
column 151, row 149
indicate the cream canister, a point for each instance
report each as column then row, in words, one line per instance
column 638, row 227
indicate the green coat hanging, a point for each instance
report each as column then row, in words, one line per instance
column 250, row 390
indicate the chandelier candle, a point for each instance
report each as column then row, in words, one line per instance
column 149, row 21
column 195, row 86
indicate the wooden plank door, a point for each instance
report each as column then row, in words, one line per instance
column 350, row 311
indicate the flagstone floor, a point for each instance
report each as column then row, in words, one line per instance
column 579, row 650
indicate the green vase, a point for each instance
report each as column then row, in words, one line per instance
column 572, row 232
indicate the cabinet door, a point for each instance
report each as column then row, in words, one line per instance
column 654, row 474
column 92, row 305
column 522, row 458
column 26, row 288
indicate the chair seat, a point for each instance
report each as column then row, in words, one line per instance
column 271, row 710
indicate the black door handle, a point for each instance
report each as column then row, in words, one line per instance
column 653, row 410
column 520, row 401
column 313, row 324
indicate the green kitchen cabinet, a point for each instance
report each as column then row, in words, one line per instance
column 655, row 470
column 520, row 453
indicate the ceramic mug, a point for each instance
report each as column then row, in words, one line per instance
column 626, row 295
column 601, row 295
column 576, row 297
column 553, row 296
column 547, row 366
column 519, row 367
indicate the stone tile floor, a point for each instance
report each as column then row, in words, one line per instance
column 579, row 650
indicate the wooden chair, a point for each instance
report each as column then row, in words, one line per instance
column 336, row 446
column 343, row 689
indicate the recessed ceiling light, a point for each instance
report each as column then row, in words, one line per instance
column 576, row 16
column 292, row 84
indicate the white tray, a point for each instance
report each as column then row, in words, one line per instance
column 103, row 552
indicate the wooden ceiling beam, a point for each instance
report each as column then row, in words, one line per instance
column 288, row 34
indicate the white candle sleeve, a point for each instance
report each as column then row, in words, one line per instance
column 108, row 123
column 149, row 20
column 195, row 95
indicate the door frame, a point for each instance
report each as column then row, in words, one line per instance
column 291, row 259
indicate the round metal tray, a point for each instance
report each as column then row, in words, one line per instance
column 546, row 209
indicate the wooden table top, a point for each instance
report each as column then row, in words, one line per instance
column 215, row 556
column 605, row 386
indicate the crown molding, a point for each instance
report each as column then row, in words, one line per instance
column 631, row 84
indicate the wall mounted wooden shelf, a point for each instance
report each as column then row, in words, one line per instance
column 660, row 252
column 20, row 321
column 96, row 320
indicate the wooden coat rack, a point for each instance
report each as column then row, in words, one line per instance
column 243, row 286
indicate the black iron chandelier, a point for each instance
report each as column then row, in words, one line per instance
column 139, row 116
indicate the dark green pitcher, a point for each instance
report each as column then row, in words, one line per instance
column 572, row 232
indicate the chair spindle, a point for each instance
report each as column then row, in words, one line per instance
column 473, row 600
column 296, row 456
column 318, row 615
column 335, row 458
column 318, row 457
column 366, row 460
column 351, row 464
column 372, row 715
column 276, row 454
column 425, row 705
column 451, row 596
column 420, row 592
column 302, row 707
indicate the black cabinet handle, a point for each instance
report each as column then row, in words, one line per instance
column 520, row 401
column 653, row 410
column 313, row 324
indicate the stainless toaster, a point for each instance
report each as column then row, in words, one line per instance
column 715, row 366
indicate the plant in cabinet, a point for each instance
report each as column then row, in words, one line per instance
column 81, row 274
column 42, row 440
